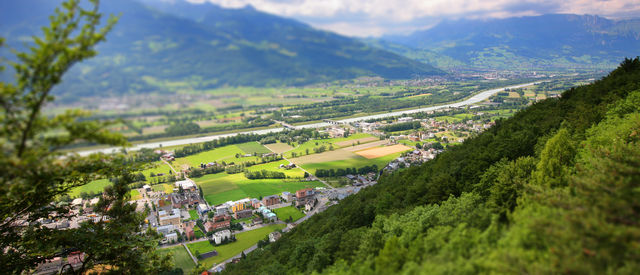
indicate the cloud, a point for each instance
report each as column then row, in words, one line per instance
column 378, row 17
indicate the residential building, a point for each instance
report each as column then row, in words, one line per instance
column 188, row 230
column 203, row 208
column 270, row 200
column 171, row 238
column 186, row 184
column 255, row 203
column 303, row 193
column 222, row 235
column 287, row 196
column 173, row 219
column 165, row 229
column 186, row 199
column 243, row 214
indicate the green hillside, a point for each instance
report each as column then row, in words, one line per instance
column 551, row 190
column 155, row 51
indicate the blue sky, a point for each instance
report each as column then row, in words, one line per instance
column 382, row 17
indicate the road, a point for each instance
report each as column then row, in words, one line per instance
column 469, row 101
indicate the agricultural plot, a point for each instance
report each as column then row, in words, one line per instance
column 365, row 146
column 274, row 166
column 253, row 147
column 353, row 137
column 354, row 162
column 181, row 258
column 308, row 146
column 95, row 186
column 135, row 194
column 226, row 153
column 377, row 152
column 339, row 154
column 243, row 241
column 222, row 187
column 279, row 147
column 289, row 211
column 157, row 167
column 355, row 141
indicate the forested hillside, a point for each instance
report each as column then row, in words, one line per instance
column 164, row 51
column 554, row 189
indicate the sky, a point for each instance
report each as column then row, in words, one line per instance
column 365, row 18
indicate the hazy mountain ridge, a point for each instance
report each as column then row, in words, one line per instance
column 150, row 50
column 546, row 41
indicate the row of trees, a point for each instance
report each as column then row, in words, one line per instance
column 348, row 171
column 264, row 174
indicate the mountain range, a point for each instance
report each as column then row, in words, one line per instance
column 174, row 46
column 553, row 41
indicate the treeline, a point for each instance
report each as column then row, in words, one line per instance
column 403, row 126
column 323, row 173
column 191, row 128
column 551, row 190
column 264, row 174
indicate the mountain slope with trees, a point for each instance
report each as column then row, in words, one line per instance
column 551, row 190
column 155, row 51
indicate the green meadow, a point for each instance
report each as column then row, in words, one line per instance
column 253, row 147
column 222, row 187
column 243, row 241
column 289, row 211
column 356, row 162
column 181, row 258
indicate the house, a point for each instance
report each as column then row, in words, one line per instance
column 336, row 132
column 221, row 236
column 146, row 187
column 203, row 208
column 222, row 209
column 76, row 202
column 287, row 196
column 239, row 205
column 255, row 203
column 243, row 214
column 272, row 217
column 188, row 230
column 303, row 193
column 270, row 200
column 257, row 220
column 222, row 221
column 308, row 206
column 94, row 201
column 185, row 199
column 186, row 184
column 165, row 229
column 166, row 218
column 274, row 236
column 170, row 238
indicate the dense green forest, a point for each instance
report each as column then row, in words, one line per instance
column 551, row 190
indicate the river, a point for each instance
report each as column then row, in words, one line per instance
column 469, row 101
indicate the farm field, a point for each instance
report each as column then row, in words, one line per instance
column 156, row 168
column 339, row 154
column 243, row 241
column 181, row 258
column 253, row 147
column 135, row 194
column 360, row 147
column 289, row 211
column 225, row 153
column 377, row 152
column 94, row 186
column 355, row 141
column 354, row 162
column 222, row 187
column 279, row 147
column 274, row 166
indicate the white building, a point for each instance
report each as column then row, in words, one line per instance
column 219, row 236
column 186, row 184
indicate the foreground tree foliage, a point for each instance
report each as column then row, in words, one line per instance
column 554, row 189
column 34, row 173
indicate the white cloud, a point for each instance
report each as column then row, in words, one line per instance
column 377, row 17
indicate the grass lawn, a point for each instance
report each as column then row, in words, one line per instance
column 156, row 168
column 274, row 166
column 200, row 247
column 243, row 241
column 193, row 214
column 135, row 194
column 94, row 186
column 253, row 147
column 289, row 211
column 197, row 232
column 167, row 188
column 181, row 258
column 222, row 187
